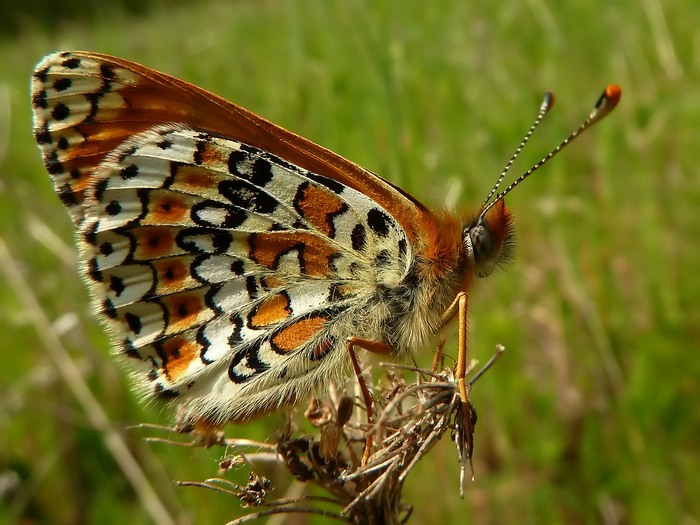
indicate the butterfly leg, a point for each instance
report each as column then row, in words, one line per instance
column 376, row 347
column 439, row 357
column 459, row 308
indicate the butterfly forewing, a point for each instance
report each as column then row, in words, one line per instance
column 86, row 105
column 231, row 259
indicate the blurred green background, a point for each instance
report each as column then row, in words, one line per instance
column 592, row 415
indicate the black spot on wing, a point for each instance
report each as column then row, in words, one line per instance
column 60, row 112
column 62, row 84
column 134, row 322
column 43, row 135
column 248, row 196
column 107, row 71
column 42, row 75
column 128, row 152
column 237, row 267
column 200, row 147
column 251, row 287
column 113, row 208
column 93, row 271
column 71, row 63
column 248, row 163
column 128, row 349
column 90, row 236
column 402, row 248
column 108, row 309
column 116, row 284
column 262, row 172
column 383, row 259
column 67, row 195
column 378, row 221
column 234, row 161
column 106, row 248
column 129, row 172
column 39, row 100
column 358, row 237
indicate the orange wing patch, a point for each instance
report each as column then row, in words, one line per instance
column 154, row 242
column 271, row 311
column 270, row 282
column 212, row 155
column 312, row 253
column 297, row 334
column 193, row 179
column 173, row 274
column 318, row 206
column 166, row 207
column 185, row 310
column 177, row 353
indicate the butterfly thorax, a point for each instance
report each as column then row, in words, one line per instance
column 438, row 272
column 456, row 252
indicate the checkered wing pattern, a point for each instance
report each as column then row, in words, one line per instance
column 229, row 258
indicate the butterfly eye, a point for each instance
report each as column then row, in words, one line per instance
column 482, row 243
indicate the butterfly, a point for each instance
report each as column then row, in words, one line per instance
column 237, row 266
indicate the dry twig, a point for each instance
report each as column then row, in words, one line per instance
column 411, row 419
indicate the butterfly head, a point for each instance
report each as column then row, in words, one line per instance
column 489, row 240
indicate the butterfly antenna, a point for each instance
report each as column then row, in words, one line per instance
column 547, row 103
column 605, row 104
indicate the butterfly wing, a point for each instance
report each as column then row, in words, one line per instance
column 86, row 104
column 230, row 258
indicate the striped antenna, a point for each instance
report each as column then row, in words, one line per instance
column 547, row 103
column 605, row 104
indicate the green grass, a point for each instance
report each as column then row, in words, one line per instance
column 592, row 416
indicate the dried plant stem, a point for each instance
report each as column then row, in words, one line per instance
column 410, row 419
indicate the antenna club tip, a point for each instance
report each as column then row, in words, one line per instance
column 613, row 93
column 548, row 100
